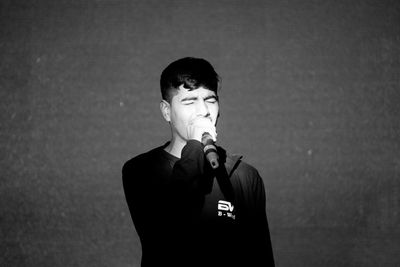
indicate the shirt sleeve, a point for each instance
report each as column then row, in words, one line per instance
column 161, row 204
column 259, row 223
column 188, row 171
column 184, row 193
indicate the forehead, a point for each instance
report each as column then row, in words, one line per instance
column 199, row 92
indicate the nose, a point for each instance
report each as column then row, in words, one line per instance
column 202, row 109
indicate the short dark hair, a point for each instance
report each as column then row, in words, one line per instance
column 189, row 72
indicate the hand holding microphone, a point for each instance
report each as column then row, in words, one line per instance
column 203, row 130
column 210, row 150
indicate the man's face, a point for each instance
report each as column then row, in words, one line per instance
column 187, row 106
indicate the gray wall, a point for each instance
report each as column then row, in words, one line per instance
column 310, row 97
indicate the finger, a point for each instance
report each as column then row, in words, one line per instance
column 212, row 132
column 198, row 132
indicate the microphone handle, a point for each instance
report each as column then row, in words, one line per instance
column 210, row 150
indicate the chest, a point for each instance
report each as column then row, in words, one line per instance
column 217, row 207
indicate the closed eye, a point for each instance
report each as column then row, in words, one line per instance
column 211, row 99
column 191, row 100
column 188, row 100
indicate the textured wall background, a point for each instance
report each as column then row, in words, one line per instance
column 310, row 97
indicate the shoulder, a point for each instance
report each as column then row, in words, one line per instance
column 247, row 184
column 247, row 171
column 237, row 168
column 244, row 173
column 236, row 165
column 140, row 161
column 137, row 170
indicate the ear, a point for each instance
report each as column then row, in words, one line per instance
column 165, row 109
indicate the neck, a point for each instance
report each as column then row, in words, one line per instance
column 175, row 147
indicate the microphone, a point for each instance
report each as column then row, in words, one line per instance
column 210, row 150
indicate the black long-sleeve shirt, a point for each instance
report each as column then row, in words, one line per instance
column 187, row 214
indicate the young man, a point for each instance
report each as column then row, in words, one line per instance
column 186, row 211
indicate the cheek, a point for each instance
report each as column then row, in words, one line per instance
column 214, row 111
column 180, row 118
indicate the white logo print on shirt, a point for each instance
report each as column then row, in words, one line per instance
column 225, row 209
